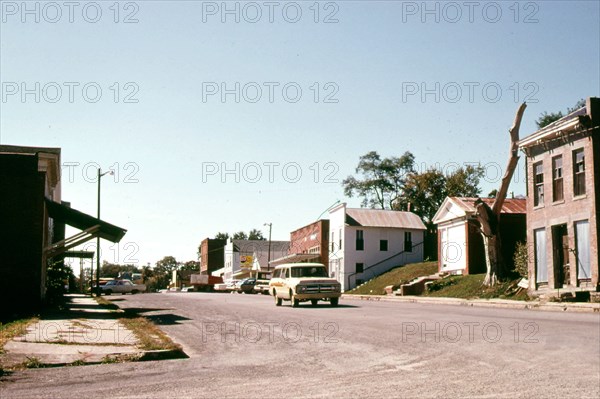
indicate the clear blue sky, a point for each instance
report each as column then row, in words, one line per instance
column 374, row 58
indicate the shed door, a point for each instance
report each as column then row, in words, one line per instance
column 541, row 266
column 582, row 250
column 453, row 248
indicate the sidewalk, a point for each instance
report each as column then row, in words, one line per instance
column 85, row 332
column 496, row 303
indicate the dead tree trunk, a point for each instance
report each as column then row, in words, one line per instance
column 489, row 218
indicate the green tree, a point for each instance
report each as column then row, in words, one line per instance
column 191, row 265
column 166, row 265
column 222, row 236
column 240, row 235
column 547, row 118
column 255, row 234
column 381, row 181
column 426, row 191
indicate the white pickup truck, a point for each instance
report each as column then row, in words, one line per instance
column 122, row 287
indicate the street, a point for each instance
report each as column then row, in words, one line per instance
column 245, row 346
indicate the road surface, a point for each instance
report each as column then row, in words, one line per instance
column 243, row 346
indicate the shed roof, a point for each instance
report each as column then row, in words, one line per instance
column 511, row 205
column 383, row 218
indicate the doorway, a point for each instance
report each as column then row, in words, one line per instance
column 560, row 252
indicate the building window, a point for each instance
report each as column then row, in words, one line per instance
column 383, row 245
column 360, row 242
column 578, row 172
column 360, row 267
column 557, row 179
column 407, row 241
column 538, row 181
column 340, row 235
column 332, row 241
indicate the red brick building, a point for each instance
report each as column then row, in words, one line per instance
column 308, row 244
column 563, row 177
column 212, row 255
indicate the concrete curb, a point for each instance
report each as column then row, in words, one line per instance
column 494, row 303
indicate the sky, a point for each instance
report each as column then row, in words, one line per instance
column 223, row 116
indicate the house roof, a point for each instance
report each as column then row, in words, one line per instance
column 460, row 207
column 383, row 218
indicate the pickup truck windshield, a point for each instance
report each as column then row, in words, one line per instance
column 309, row 272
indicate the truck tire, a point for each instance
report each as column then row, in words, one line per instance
column 334, row 301
column 278, row 300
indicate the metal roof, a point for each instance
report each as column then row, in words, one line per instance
column 383, row 218
column 511, row 205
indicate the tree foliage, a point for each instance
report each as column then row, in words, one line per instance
column 222, row 236
column 240, row 235
column 547, row 118
column 191, row 265
column 256, row 234
column 393, row 183
column 381, row 181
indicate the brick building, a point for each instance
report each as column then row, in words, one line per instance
column 212, row 255
column 563, row 177
column 308, row 244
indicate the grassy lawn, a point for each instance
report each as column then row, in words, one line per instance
column 470, row 287
column 395, row 277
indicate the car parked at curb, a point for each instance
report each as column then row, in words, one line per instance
column 246, row 286
column 122, row 287
column 300, row 282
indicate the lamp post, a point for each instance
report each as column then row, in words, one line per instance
column 269, row 254
column 100, row 174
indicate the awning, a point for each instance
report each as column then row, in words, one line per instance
column 90, row 227
column 294, row 258
column 80, row 254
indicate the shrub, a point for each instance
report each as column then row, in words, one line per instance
column 521, row 260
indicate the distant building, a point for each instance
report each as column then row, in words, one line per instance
column 32, row 228
column 365, row 243
column 242, row 257
column 460, row 245
column 308, row 244
column 212, row 255
column 563, row 179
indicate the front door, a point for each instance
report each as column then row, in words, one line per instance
column 560, row 251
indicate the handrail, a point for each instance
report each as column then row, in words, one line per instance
column 385, row 260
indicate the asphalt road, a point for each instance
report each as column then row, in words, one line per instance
column 242, row 346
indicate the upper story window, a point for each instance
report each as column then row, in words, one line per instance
column 538, row 184
column 360, row 241
column 340, row 238
column 332, row 241
column 578, row 172
column 557, row 178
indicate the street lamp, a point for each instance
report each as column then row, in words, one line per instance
column 100, row 174
column 328, row 208
column 269, row 254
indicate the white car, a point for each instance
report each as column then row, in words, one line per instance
column 299, row 282
column 122, row 287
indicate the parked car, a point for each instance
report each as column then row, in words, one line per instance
column 122, row 287
column 299, row 282
column 246, row 286
column 262, row 287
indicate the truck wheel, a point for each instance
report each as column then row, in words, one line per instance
column 107, row 292
column 134, row 292
column 295, row 302
column 334, row 301
column 278, row 300
column 314, row 302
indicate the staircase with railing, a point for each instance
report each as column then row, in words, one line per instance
column 381, row 267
